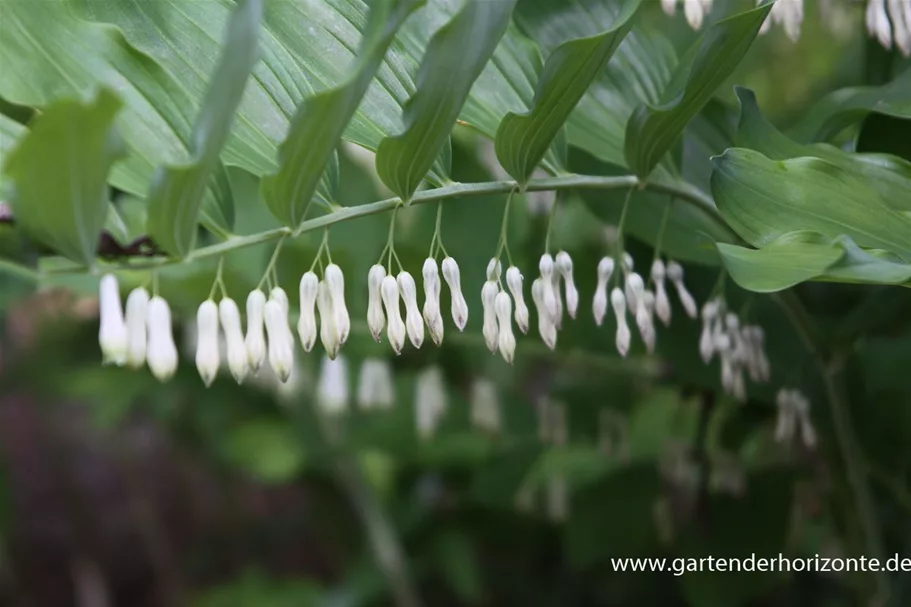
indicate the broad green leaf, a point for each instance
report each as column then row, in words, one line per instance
column 454, row 59
column 651, row 131
column 873, row 266
column 77, row 142
column 523, row 139
column 321, row 119
column 763, row 199
column 176, row 193
column 10, row 133
column 789, row 260
column 126, row 219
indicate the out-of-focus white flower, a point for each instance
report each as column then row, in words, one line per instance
column 706, row 339
column 628, row 263
column 229, row 315
column 161, row 354
column 662, row 302
column 694, row 12
column 488, row 303
column 794, row 414
column 675, row 274
column 514, row 282
column 485, row 406
column 557, row 489
column 207, row 355
column 329, row 332
column 545, row 325
column 376, row 387
column 431, row 311
column 137, row 332
column 788, row 13
column 306, row 322
column 669, row 6
column 618, row 303
column 599, row 303
column 878, row 22
column 281, row 341
column 430, row 401
column 336, row 282
column 376, row 320
column 255, row 341
column 900, row 12
column 564, row 264
column 112, row 333
column 558, row 299
column 645, row 320
column 414, row 323
column 459, row 306
column 396, row 326
column 332, row 388
column 506, row 341
column 546, row 267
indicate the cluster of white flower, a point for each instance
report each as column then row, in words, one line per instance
column 545, row 293
column 788, row 14
column 794, row 416
column 740, row 347
column 890, row 20
column 694, row 10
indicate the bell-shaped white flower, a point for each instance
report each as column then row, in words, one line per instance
column 545, row 325
column 396, row 326
column 662, row 301
column 878, row 24
column 564, row 264
column 900, row 11
column 675, row 274
column 161, row 353
column 459, row 306
column 329, row 331
column 488, row 302
column 336, row 282
column 112, row 333
column 430, row 401
column 414, row 323
column 645, row 319
column 376, row 386
column 306, row 322
column 431, row 311
column 137, row 331
column 494, row 269
column 506, row 341
column 668, row 6
column 255, row 340
column 376, row 320
column 514, row 282
column 207, row 344
column 485, row 406
column 693, row 10
column 229, row 315
column 599, row 302
column 281, row 341
column 633, row 288
column 618, row 303
column 627, row 262
column 558, row 299
column 546, row 267
column 332, row 387
column 279, row 295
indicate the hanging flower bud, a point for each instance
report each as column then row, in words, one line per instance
column 207, row 346
column 329, row 333
column 430, row 401
column 706, row 340
column 878, row 24
column 662, row 302
column 488, row 303
column 332, row 387
column 627, row 262
column 112, row 334
column 618, row 303
column 432, row 315
column 376, row 320
column 281, row 341
column 786, row 422
column 505, row 339
column 668, row 6
column 336, row 282
column 459, row 306
column 396, row 331
column 694, row 12
column 545, row 325
column 376, row 387
column 802, row 412
column 558, row 299
column 161, row 354
column 306, row 322
column 675, row 274
column 255, row 341
column 229, row 315
column 485, row 406
column 546, row 267
column 564, row 264
column 645, row 320
column 414, row 324
column 137, row 332
column 633, row 289
column 279, row 295
column 494, row 268
column 514, row 282
column 599, row 303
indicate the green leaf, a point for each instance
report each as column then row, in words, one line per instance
column 763, row 199
column 523, row 139
column 783, row 263
column 78, row 143
column 651, row 131
column 177, row 192
column 126, row 219
column 321, row 119
column 873, row 266
column 454, row 59
column 10, row 133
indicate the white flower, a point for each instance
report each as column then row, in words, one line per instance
column 396, row 329
column 900, row 11
column 514, row 282
column 505, row 339
column 255, row 341
column 329, row 332
column 706, row 339
column 336, row 282
column 485, row 406
column 494, row 269
column 633, row 289
column 414, row 323
column 207, row 346
column 599, row 303
column 564, row 264
column 627, row 262
column 488, row 303
column 430, row 401
column 137, row 332
column 431, row 311
column 161, row 353
column 306, row 322
column 662, row 302
column 618, row 302
column 757, row 361
column 645, row 321
column 229, row 314
column 112, row 334
column 794, row 413
column 546, row 267
column 459, row 305
column 279, row 295
column 675, row 274
column 669, row 6
column 878, row 22
column 376, row 386
column 558, row 299
column 545, row 325
column 693, row 10
column 332, row 387
column 376, row 320
column 281, row 341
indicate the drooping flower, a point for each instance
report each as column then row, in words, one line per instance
column 396, row 326
column 281, row 341
column 336, row 282
column 564, row 264
column 279, row 295
column 494, row 269
column 431, row 311
column 878, row 24
column 549, row 297
column 207, row 345
column 459, row 305
column 306, row 322
column 514, row 283
column 332, row 387
column 633, row 289
column 229, row 315
column 618, row 303
column 545, row 325
column 488, row 302
column 694, row 10
column 794, row 415
column 137, row 331
column 414, row 323
column 485, row 406
column 161, row 353
column 329, row 331
column 662, row 301
column 645, row 320
column 376, row 320
column 599, row 303
column 112, row 333
column 376, row 387
column 506, row 341
column 430, row 401
column 675, row 275
column 255, row 341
